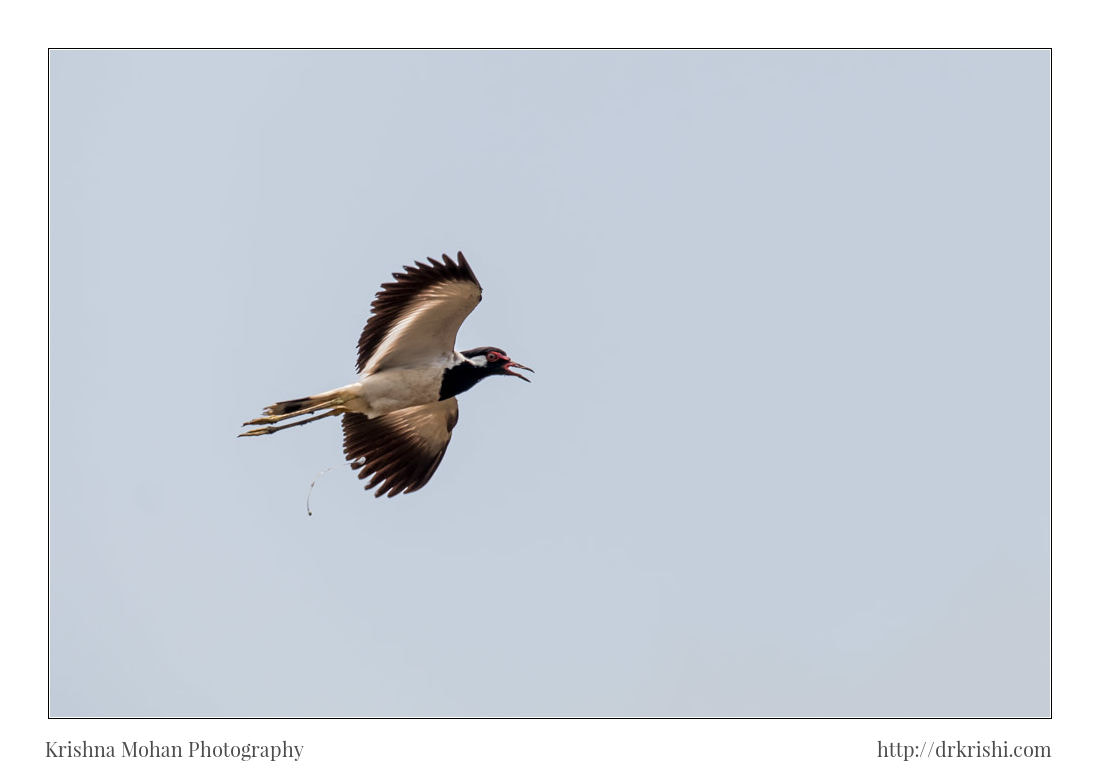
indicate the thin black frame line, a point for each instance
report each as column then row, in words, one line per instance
column 1049, row 409
column 551, row 49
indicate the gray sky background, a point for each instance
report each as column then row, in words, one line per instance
column 787, row 448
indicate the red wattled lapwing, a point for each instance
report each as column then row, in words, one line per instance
column 399, row 415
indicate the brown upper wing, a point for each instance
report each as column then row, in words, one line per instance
column 416, row 317
column 401, row 449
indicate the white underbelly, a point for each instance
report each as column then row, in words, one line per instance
column 394, row 389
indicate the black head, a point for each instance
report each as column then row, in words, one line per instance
column 494, row 361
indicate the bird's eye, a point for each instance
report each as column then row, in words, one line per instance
column 493, row 356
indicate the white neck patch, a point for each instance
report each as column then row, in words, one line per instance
column 479, row 361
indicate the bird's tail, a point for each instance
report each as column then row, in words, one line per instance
column 288, row 406
column 332, row 401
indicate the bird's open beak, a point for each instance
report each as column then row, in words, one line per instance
column 518, row 366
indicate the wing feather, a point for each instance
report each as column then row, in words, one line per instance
column 399, row 451
column 416, row 317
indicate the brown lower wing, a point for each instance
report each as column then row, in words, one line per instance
column 399, row 451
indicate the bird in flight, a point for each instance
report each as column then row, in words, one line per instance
column 399, row 415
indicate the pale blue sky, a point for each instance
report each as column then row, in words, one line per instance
column 787, row 448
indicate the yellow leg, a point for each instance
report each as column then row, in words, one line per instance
column 273, row 419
